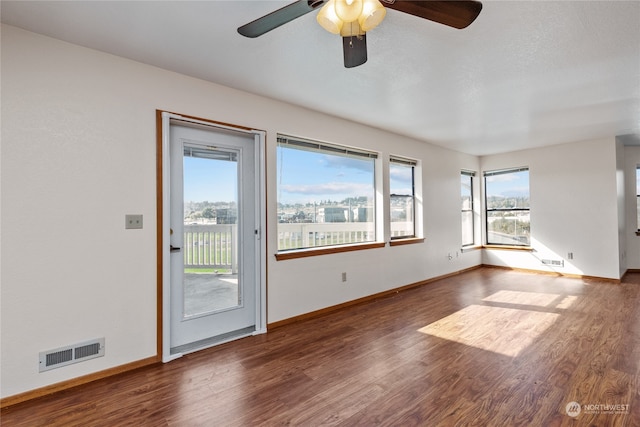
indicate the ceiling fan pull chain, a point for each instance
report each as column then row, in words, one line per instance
column 351, row 39
column 353, row 33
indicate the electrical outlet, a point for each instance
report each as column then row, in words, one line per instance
column 132, row 221
column 570, row 255
column 344, row 277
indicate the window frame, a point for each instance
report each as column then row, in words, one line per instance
column 637, row 200
column 338, row 150
column 471, row 175
column 404, row 161
column 487, row 210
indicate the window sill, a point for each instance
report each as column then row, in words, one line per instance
column 509, row 248
column 303, row 253
column 470, row 248
column 408, row 241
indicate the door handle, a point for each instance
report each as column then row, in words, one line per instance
column 173, row 249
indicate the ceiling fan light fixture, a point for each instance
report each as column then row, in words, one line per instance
column 351, row 29
column 328, row 19
column 348, row 10
column 352, row 19
column 370, row 14
column 373, row 12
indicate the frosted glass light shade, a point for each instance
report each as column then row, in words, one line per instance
column 373, row 12
column 348, row 10
column 328, row 19
column 366, row 14
column 350, row 29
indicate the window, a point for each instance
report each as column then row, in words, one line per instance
column 507, row 207
column 638, row 195
column 325, row 194
column 466, row 190
column 402, row 197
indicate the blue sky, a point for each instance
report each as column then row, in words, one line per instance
column 305, row 176
column 209, row 180
column 400, row 179
column 508, row 184
column 308, row 177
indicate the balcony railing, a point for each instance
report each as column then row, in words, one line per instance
column 309, row 235
column 211, row 246
column 214, row 246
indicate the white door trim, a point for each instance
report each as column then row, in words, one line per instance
column 261, row 249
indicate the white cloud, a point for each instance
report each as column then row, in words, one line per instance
column 327, row 188
column 504, row 177
column 403, row 174
column 339, row 162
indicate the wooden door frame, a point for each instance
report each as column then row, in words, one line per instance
column 261, row 317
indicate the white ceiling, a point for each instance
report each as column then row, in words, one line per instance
column 524, row 74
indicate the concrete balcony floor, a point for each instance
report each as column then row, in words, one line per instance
column 207, row 292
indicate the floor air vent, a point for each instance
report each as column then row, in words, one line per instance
column 553, row 262
column 71, row 354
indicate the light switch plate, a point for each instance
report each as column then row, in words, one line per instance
column 132, row 221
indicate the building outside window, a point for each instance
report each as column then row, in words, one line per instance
column 466, row 192
column 402, row 197
column 507, row 207
column 325, row 194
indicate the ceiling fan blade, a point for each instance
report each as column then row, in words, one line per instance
column 455, row 13
column 355, row 50
column 279, row 17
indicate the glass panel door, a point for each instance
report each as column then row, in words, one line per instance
column 210, row 178
column 214, row 244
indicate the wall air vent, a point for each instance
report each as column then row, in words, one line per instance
column 553, row 262
column 70, row 354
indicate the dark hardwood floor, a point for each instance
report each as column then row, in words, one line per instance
column 490, row 347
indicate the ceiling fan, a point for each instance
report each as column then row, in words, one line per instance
column 353, row 18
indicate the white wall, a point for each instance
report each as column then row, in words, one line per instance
column 621, row 208
column 574, row 208
column 78, row 153
column 632, row 160
column 307, row 284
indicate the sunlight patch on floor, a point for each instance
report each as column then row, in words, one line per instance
column 567, row 302
column 524, row 298
column 506, row 331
